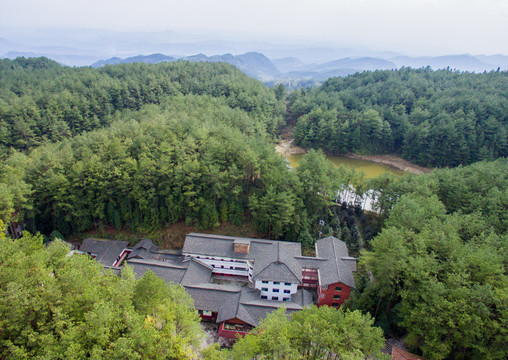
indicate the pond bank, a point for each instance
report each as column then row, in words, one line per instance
column 393, row 161
column 287, row 148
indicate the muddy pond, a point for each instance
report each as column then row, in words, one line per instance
column 370, row 168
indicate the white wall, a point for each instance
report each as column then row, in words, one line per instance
column 272, row 289
column 227, row 265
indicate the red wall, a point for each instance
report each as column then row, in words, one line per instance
column 230, row 333
column 325, row 296
column 212, row 317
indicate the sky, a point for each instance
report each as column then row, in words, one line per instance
column 423, row 27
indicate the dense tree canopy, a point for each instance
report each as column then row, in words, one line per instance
column 440, row 263
column 312, row 333
column 190, row 158
column 144, row 146
column 43, row 101
column 434, row 118
column 57, row 306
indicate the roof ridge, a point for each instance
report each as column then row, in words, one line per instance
column 277, row 263
column 155, row 262
column 335, row 257
column 310, row 258
column 110, row 244
column 206, row 286
column 272, row 304
column 202, row 263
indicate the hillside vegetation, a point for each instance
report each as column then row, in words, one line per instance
column 138, row 147
column 433, row 118
column 42, row 101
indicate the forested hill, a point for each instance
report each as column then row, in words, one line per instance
column 139, row 147
column 433, row 118
column 43, row 101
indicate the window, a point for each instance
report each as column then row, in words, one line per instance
column 276, row 283
column 264, row 282
column 264, row 289
column 287, row 284
column 264, row 297
column 286, row 299
column 275, row 298
column 338, row 288
column 336, row 296
column 287, row 292
column 275, row 290
column 335, row 304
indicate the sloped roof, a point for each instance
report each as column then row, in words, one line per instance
column 212, row 299
column 338, row 268
column 250, row 308
column 278, row 271
column 272, row 260
column 170, row 271
column 267, row 255
column 197, row 273
column 105, row 251
column 310, row 262
column 143, row 249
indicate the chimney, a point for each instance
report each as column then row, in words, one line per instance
column 241, row 246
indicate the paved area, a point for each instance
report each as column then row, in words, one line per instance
column 211, row 331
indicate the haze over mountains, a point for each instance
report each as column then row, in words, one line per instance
column 263, row 60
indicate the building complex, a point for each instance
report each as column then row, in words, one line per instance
column 236, row 281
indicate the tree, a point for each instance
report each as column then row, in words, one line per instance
column 274, row 211
column 312, row 333
column 436, row 268
column 68, row 307
column 320, row 182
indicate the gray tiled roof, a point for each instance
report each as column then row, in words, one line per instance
column 197, row 273
column 335, row 269
column 310, row 262
column 143, row 249
column 263, row 253
column 273, row 260
column 249, row 307
column 168, row 270
column 278, row 271
column 212, row 299
column 106, row 251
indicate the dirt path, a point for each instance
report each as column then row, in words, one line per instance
column 287, row 148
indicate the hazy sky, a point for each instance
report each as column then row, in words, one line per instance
column 425, row 27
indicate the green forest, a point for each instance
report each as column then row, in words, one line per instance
column 139, row 147
column 432, row 118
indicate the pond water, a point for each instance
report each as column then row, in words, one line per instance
column 370, row 168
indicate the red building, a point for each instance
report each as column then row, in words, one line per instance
column 330, row 272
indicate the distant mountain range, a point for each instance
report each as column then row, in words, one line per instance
column 253, row 64
column 290, row 63
column 260, row 67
